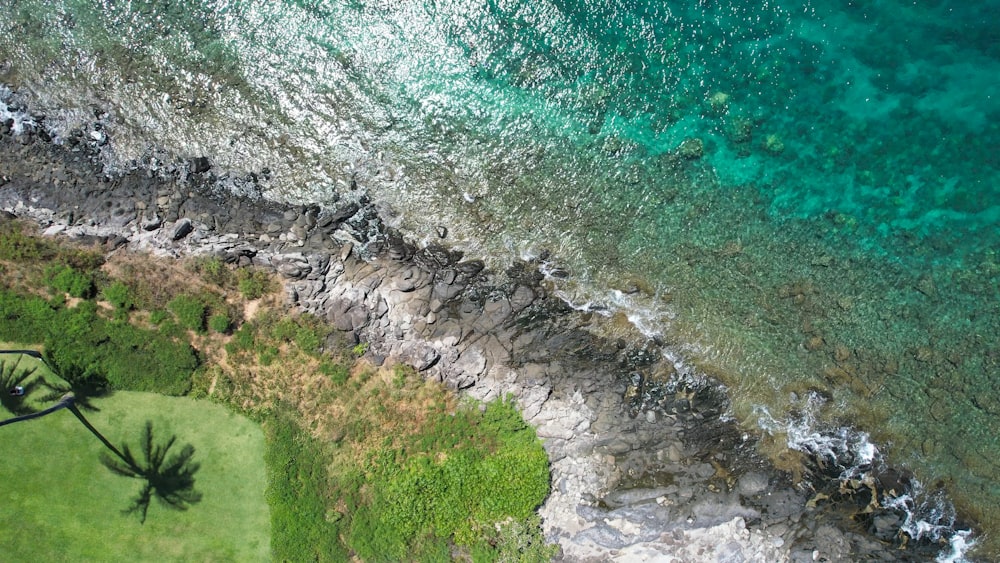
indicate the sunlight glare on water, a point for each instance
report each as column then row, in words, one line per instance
column 805, row 195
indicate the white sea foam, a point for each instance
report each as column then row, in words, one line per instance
column 926, row 515
column 959, row 546
column 21, row 118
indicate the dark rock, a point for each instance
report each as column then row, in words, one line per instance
column 337, row 216
column 433, row 257
column 470, row 267
column 181, row 229
column 200, row 165
column 292, row 266
column 442, row 231
column 345, row 315
column 752, row 483
column 116, row 242
column 399, row 249
column 446, row 292
column 152, row 223
column 345, row 251
column 522, row 297
column 886, row 526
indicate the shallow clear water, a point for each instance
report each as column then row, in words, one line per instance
column 836, row 238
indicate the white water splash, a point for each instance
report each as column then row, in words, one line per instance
column 927, row 516
column 20, row 118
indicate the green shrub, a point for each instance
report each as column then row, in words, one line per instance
column 16, row 245
column 219, row 323
column 157, row 316
column 80, row 343
column 244, row 339
column 253, row 284
column 464, row 474
column 215, row 271
column 65, row 279
column 284, row 329
column 119, row 295
column 516, row 540
column 189, row 311
column 307, row 332
column 267, row 355
column 359, row 349
column 337, row 372
column 308, row 340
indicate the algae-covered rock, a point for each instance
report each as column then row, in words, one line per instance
column 773, row 144
column 691, row 149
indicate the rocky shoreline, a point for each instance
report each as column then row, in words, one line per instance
column 645, row 465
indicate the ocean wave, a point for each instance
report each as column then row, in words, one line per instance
column 21, row 119
column 848, row 455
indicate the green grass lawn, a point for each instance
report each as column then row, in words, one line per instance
column 59, row 503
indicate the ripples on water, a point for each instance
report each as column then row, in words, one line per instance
column 838, row 236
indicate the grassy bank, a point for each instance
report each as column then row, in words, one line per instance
column 360, row 461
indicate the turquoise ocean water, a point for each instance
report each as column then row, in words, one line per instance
column 807, row 195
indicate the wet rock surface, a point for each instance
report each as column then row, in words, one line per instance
column 644, row 464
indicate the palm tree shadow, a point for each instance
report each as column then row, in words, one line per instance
column 84, row 386
column 15, row 387
column 83, row 390
column 167, row 478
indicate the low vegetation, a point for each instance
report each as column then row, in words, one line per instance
column 362, row 461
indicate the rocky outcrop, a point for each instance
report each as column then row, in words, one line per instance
column 644, row 466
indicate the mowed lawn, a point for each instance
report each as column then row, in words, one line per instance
column 59, row 503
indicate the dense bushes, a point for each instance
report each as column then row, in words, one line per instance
column 81, row 344
column 190, row 312
column 17, row 245
column 471, row 481
column 297, row 490
column 452, row 485
column 454, row 481
column 66, row 279
column 250, row 282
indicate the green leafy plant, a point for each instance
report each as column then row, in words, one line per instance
column 458, row 479
column 17, row 245
column 215, row 271
column 66, row 279
column 119, row 295
column 189, row 311
column 253, row 284
column 337, row 372
column 303, row 528
column 157, row 316
column 219, row 323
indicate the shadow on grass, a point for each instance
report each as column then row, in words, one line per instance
column 84, row 386
column 16, row 384
column 170, row 480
